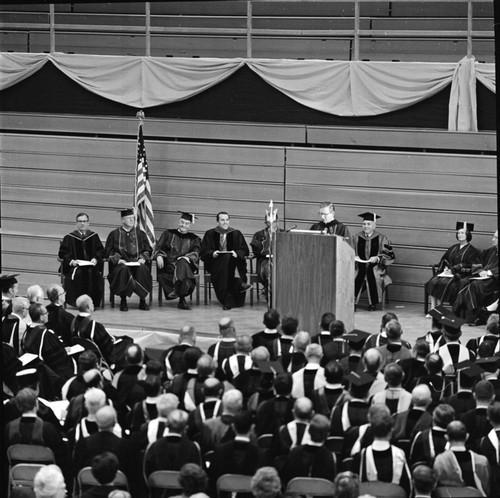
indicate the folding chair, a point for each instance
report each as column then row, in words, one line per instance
column 29, row 453
column 380, row 489
column 456, row 492
column 233, row 483
column 23, row 474
column 196, row 291
column 86, row 480
column 310, row 486
column 164, row 479
column 335, row 445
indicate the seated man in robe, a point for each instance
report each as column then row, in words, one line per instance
column 129, row 255
column 223, row 250
column 9, row 287
column 177, row 254
column 82, row 253
column 481, row 289
column 373, row 254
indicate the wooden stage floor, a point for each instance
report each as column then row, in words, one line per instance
column 158, row 328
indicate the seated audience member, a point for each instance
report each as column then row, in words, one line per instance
column 371, row 365
column 172, row 451
column 458, row 466
column 14, row 325
column 490, row 444
column 219, row 429
column 253, row 380
column 356, row 340
column 187, row 385
column 410, row 422
column 297, row 359
column 119, row 493
column 145, row 410
column 352, row 410
column 105, row 440
column 452, row 352
column 336, row 348
column 49, row 482
column 492, row 335
column 382, row 461
column 35, row 294
column 129, row 244
column 193, row 480
column 158, row 427
column 59, row 320
column 324, row 335
column 467, row 376
column 434, row 377
column 325, row 398
column 104, row 468
column 44, row 343
column 435, row 337
column 376, row 340
column 312, row 458
column 9, row 287
column 269, row 337
column 173, row 358
column 266, row 483
column 295, row 432
column 311, row 376
column 76, row 384
column 346, row 485
column 289, row 328
column 476, row 420
column 240, row 361
column 82, row 245
column 475, row 294
column 240, row 455
column 414, row 367
column 424, row 481
column 84, row 327
column 273, row 413
column 430, row 442
column 225, row 347
column 395, row 397
column 211, row 407
column 394, row 350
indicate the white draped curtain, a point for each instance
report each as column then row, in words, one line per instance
column 351, row 88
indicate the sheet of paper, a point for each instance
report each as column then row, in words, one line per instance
column 133, row 263
column 446, row 275
column 83, row 262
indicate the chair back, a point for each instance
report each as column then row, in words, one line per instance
column 456, row 492
column 310, row 486
column 335, row 444
column 23, row 474
column 29, row 453
column 381, row 489
column 233, row 483
column 86, row 479
column 265, row 441
column 164, row 479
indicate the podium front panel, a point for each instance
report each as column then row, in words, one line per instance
column 313, row 274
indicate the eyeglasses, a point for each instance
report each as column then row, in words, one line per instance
column 61, row 294
column 82, row 221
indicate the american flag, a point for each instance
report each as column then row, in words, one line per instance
column 143, row 203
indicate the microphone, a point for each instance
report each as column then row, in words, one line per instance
column 291, row 228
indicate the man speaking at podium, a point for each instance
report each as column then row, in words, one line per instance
column 328, row 224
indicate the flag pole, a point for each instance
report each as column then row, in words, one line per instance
column 271, row 215
column 141, row 117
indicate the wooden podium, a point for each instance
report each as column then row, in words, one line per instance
column 313, row 274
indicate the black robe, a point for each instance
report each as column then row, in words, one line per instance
column 80, row 280
column 130, row 246
column 222, row 269
column 178, row 274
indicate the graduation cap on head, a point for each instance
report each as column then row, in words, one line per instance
column 467, row 372
column 27, row 377
column 489, row 364
column 270, row 367
column 439, row 311
column 127, row 212
column 369, row 216
column 464, row 224
column 452, row 324
column 359, row 379
column 356, row 338
column 187, row 216
column 8, row 279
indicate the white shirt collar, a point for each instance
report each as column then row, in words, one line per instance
column 381, row 445
column 270, row 331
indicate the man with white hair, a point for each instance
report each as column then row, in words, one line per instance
column 49, row 482
column 174, row 356
column 312, row 376
column 34, row 294
column 14, row 325
column 84, row 327
column 59, row 319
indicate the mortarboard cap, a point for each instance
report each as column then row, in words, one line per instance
column 8, row 279
column 452, row 324
column 187, row 216
column 127, row 212
column 439, row 311
column 270, row 367
column 359, row 379
column 356, row 338
column 468, row 368
column 27, row 377
column 464, row 224
column 369, row 216
column 489, row 364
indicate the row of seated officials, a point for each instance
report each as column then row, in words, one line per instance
column 309, row 406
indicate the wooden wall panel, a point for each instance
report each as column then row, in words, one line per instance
column 47, row 179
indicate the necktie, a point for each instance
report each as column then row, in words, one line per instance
column 222, row 242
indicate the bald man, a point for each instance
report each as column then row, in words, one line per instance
column 225, row 347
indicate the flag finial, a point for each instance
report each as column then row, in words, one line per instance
column 140, row 116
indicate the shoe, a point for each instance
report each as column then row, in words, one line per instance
column 143, row 306
column 183, row 305
column 371, row 307
column 225, row 308
column 172, row 295
column 245, row 287
column 123, row 305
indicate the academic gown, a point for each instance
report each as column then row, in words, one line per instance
column 178, row 274
column 334, row 227
column 82, row 279
column 459, row 260
column 260, row 245
column 223, row 268
column 372, row 275
column 130, row 246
